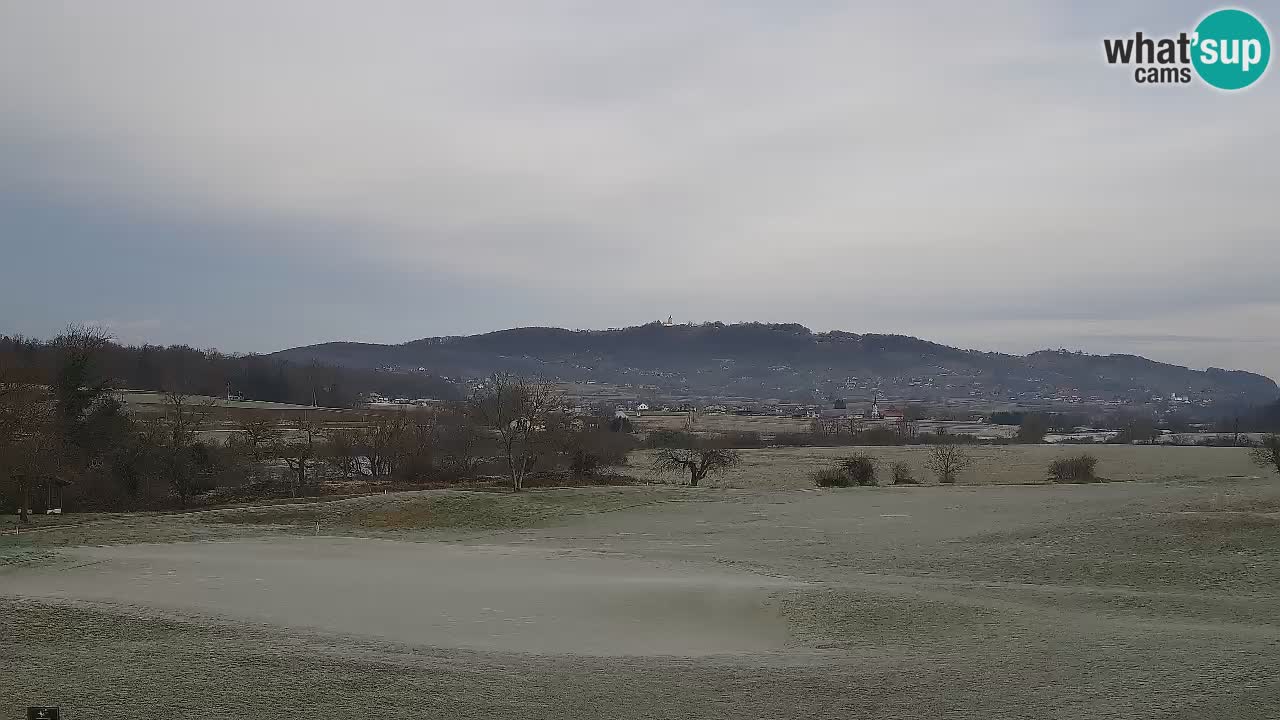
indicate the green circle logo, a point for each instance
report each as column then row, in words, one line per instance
column 1232, row 49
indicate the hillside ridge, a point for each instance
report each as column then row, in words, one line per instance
column 791, row 362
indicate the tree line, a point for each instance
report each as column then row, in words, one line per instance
column 180, row 368
column 66, row 439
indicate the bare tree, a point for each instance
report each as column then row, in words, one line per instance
column 255, row 440
column 1267, row 453
column 418, row 447
column 78, row 385
column 1033, row 428
column 9, row 384
column 947, row 462
column 458, row 437
column 383, row 441
column 342, row 452
column 1140, row 430
column 183, row 416
column 521, row 413
column 34, row 462
column 855, row 426
column 29, row 443
column 137, row 460
column 698, row 462
column 300, row 451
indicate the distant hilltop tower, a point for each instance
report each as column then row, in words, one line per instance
column 669, row 321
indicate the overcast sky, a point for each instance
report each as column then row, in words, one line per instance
column 257, row 175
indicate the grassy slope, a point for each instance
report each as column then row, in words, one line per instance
column 430, row 513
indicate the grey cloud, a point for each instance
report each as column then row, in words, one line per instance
column 934, row 166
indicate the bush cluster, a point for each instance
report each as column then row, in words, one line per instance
column 670, row 439
column 902, row 474
column 830, row 477
column 1076, row 469
column 859, row 470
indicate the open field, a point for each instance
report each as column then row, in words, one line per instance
column 763, row 597
column 993, row 464
column 150, row 401
column 719, row 423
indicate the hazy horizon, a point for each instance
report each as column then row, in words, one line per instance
column 255, row 177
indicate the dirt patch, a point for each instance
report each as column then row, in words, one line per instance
column 519, row 599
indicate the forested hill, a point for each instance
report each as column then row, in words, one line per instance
column 209, row 372
column 789, row 361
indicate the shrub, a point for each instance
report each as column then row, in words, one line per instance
column 670, row 439
column 589, row 452
column 610, row 447
column 793, row 439
column 902, row 474
column 860, row 469
column 1267, row 453
column 740, row 439
column 1075, row 469
column 583, row 463
column 830, row 477
column 811, row 439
